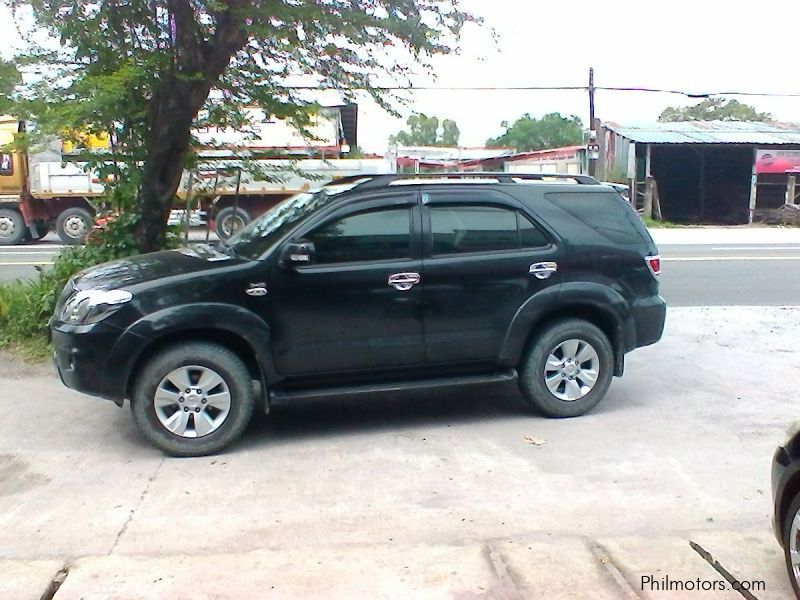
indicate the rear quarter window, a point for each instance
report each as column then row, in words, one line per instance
column 605, row 212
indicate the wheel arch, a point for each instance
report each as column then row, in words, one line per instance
column 604, row 308
column 232, row 327
column 230, row 340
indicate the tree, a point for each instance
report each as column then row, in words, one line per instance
column 425, row 131
column 714, row 109
column 144, row 69
column 9, row 80
column 551, row 131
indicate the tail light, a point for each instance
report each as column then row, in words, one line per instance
column 654, row 262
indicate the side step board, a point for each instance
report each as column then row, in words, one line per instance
column 277, row 397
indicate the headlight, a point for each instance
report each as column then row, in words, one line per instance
column 91, row 306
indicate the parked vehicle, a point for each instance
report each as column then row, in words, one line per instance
column 49, row 188
column 786, row 501
column 374, row 284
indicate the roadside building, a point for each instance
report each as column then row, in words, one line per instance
column 569, row 160
column 425, row 159
column 706, row 171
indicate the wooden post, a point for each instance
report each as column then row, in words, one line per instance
column 702, row 155
column 753, row 189
column 656, row 201
column 791, row 189
column 602, row 168
column 647, row 210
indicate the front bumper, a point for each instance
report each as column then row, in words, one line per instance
column 81, row 356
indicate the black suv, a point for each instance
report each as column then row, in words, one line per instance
column 370, row 284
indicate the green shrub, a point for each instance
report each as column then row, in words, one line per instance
column 26, row 306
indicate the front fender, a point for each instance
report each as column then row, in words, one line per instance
column 227, row 318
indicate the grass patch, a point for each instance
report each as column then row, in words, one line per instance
column 653, row 223
column 26, row 306
column 32, row 350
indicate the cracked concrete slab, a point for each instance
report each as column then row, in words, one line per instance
column 26, row 579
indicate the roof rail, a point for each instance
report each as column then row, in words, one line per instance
column 380, row 181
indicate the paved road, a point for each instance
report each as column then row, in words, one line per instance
column 694, row 274
column 731, row 275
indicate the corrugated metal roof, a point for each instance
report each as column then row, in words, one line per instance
column 709, row 132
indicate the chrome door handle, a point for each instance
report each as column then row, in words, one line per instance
column 404, row 281
column 257, row 289
column 543, row 270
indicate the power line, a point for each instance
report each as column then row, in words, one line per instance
column 429, row 88
column 523, row 88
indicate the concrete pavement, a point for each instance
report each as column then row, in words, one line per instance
column 422, row 495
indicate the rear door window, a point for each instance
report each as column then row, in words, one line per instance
column 467, row 228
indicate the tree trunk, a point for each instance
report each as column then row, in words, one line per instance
column 174, row 107
column 161, row 174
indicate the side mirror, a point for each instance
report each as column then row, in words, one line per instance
column 297, row 254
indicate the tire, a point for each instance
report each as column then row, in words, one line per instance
column 229, row 221
column 570, row 392
column 12, row 227
column 73, row 225
column 788, row 525
column 217, row 424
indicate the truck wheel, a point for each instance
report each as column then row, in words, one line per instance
column 12, row 227
column 193, row 399
column 229, row 221
column 567, row 368
column 74, row 224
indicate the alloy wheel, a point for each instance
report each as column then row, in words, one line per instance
column 571, row 370
column 192, row 401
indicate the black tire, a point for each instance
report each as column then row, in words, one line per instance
column 223, row 362
column 12, row 227
column 229, row 221
column 794, row 508
column 533, row 368
column 68, row 227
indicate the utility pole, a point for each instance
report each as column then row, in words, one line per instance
column 592, row 148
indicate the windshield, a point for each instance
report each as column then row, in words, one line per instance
column 255, row 239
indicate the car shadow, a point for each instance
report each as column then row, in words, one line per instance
column 394, row 411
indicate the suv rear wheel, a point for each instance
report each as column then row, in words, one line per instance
column 567, row 368
column 193, row 399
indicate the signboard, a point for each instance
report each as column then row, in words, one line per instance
column 777, row 161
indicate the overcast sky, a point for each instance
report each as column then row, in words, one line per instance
column 697, row 46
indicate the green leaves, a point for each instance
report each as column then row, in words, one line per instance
column 551, row 131
column 143, row 70
column 425, row 131
column 714, row 109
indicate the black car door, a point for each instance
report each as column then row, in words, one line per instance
column 483, row 257
column 357, row 307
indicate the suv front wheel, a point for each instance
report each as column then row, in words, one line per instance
column 193, row 399
column 567, row 368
